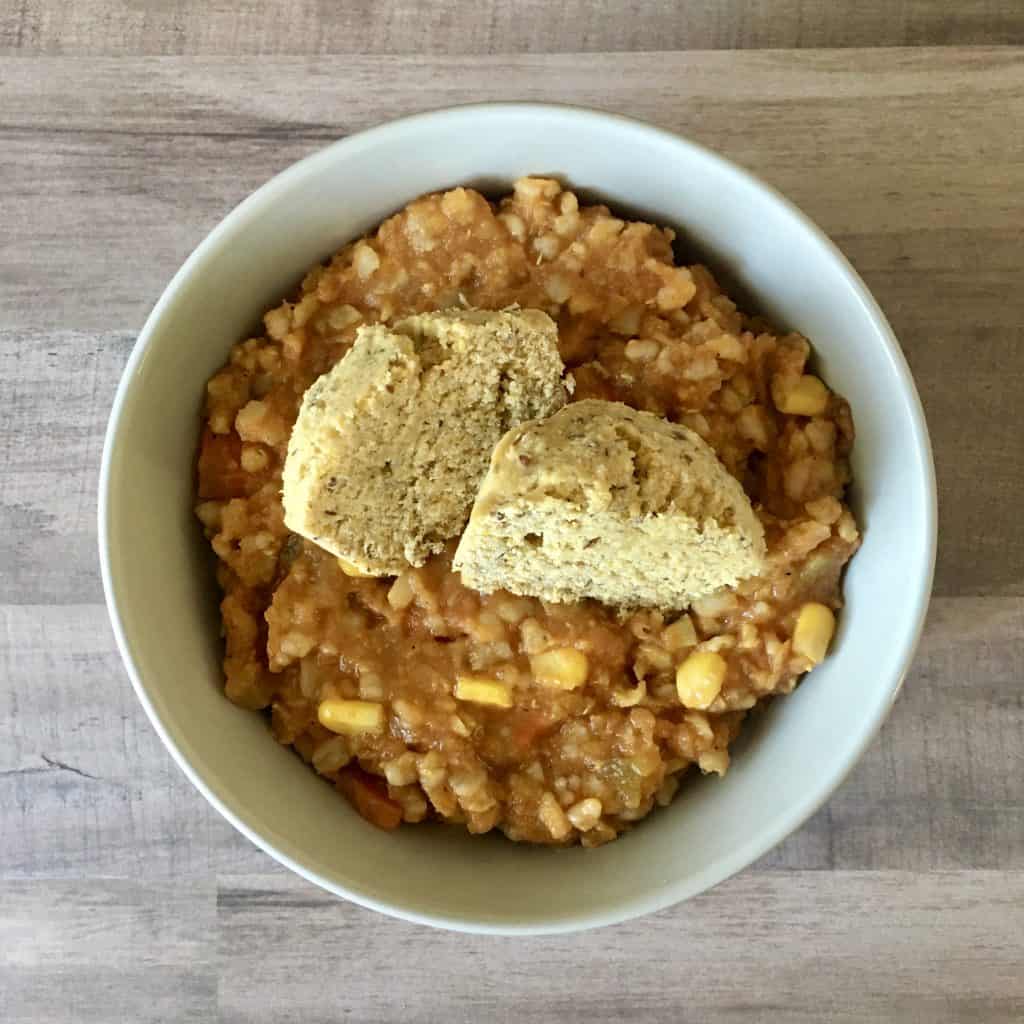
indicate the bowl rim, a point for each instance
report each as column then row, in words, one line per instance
column 665, row 895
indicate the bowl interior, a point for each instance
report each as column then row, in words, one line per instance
column 160, row 588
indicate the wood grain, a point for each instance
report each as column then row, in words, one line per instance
column 780, row 948
column 131, row 27
column 123, row 896
column 137, row 160
column 107, row 949
column 85, row 784
column 105, row 151
column 786, row 948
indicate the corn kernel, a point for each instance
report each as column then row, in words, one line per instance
column 807, row 397
column 564, row 667
column 353, row 570
column 480, row 690
column 699, row 679
column 815, row 625
column 351, row 716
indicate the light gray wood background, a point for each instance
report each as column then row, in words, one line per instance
column 129, row 127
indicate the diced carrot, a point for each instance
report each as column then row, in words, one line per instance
column 220, row 466
column 530, row 725
column 369, row 796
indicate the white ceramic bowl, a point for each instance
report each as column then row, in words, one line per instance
column 161, row 594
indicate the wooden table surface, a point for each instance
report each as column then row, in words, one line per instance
column 128, row 128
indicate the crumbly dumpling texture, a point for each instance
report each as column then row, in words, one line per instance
column 603, row 501
column 390, row 446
